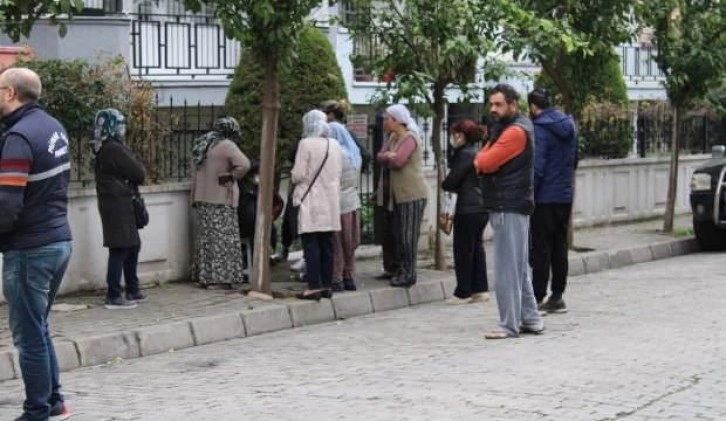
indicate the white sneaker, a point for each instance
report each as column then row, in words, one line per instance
column 479, row 297
column 455, row 301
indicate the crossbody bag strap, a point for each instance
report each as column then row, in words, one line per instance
column 327, row 150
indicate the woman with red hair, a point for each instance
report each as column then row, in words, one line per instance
column 470, row 217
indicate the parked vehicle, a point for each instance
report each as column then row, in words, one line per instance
column 708, row 201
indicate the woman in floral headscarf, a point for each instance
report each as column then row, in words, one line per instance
column 118, row 174
column 217, row 165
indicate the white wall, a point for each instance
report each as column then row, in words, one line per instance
column 620, row 190
column 606, row 192
column 165, row 252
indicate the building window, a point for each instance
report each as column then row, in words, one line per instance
column 101, row 7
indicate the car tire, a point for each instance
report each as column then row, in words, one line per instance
column 708, row 236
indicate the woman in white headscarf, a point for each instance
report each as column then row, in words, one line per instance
column 402, row 193
column 316, row 175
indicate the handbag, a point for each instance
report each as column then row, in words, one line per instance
column 294, row 210
column 446, row 219
column 140, row 213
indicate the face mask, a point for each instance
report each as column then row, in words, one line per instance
column 453, row 141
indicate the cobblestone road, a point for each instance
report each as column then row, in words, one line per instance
column 645, row 342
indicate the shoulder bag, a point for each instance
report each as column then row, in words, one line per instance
column 140, row 212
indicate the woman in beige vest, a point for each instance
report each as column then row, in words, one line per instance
column 217, row 165
column 402, row 191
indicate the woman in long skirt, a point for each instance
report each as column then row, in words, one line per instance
column 217, row 165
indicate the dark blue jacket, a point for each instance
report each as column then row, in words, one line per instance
column 555, row 157
column 34, row 178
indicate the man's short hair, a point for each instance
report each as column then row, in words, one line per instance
column 510, row 94
column 540, row 98
column 26, row 83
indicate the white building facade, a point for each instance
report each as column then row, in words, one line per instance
column 188, row 58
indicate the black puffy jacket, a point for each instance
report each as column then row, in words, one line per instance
column 463, row 181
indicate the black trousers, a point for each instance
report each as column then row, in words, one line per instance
column 124, row 260
column 549, row 225
column 391, row 264
column 318, row 252
column 469, row 257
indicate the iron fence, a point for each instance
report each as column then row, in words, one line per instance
column 163, row 142
column 176, row 124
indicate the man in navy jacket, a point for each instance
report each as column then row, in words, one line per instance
column 35, row 236
column 554, row 167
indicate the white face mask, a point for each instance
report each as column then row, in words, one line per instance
column 454, row 141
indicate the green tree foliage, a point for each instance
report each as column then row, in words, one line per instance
column 73, row 91
column 717, row 97
column 691, row 42
column 596, row 78
column 19, row 16
column 311, row 77
column 576, row 76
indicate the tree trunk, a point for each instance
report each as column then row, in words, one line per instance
column 263, row 224
column 439, row 255
column 571, row 225
column 673, row 179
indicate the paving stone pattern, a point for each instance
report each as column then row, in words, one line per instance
column 640, row 343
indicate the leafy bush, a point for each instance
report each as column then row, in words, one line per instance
column 596, row 78
column 312, row 77
column 73, row 91
column 605, row 131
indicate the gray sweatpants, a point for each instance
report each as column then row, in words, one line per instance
column 512, row 283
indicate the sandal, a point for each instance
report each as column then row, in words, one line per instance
column 498, row 334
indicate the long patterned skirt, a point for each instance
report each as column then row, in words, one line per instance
column 217, row 246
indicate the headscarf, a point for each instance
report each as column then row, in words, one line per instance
column 315, row 124
column 400, row 113
column 350, row 149
column 109, row 124
column 223, row 128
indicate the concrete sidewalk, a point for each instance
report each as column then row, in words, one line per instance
column 178, row 316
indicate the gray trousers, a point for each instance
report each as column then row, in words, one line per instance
column 512, row 283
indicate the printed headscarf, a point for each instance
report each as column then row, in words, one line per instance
column 351, row 152
column 223, row 128
column 315, row 124
column 109, row 124
column 400, row 113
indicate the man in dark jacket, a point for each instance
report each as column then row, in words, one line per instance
column 35, row 236
column 554, row 166
column 505, row 164
column 118, row 175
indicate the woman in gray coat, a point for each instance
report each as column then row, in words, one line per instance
column 118, row 173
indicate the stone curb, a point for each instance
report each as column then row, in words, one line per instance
column 614, row 259
column 272, row 317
